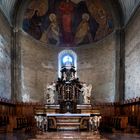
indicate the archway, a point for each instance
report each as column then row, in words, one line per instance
column 66, row 56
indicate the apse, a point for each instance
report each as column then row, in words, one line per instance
column 68, row 22
column 82, row 31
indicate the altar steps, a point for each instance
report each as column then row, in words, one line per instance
column 68, row 123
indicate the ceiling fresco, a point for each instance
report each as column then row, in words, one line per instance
column 68, row 22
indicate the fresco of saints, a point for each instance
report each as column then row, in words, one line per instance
column 68, row 22
column 97, row 10
column 35, row 25
column 83, row 30
column 52, row 32
column 66, row 10
column 102, row 19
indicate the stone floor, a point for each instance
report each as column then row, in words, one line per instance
column 70, row 136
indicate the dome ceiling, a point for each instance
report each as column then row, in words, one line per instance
column 68, row 22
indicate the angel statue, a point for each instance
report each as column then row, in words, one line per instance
column 86, row 90
column 50, row 93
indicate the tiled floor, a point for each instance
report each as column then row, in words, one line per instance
column 71, row 136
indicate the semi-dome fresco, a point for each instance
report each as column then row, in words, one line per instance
column 68, row 22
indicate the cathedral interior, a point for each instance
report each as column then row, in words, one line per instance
column 70, row 69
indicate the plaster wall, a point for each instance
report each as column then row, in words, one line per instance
column 132, row 57
column 38, row 68
column 5, row 58
column 96, row 66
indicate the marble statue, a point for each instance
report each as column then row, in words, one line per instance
column 50, row 93
column 86, row 90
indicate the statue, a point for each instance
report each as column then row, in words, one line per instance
column 50, row 92
column 86, row 90
column 64, row 76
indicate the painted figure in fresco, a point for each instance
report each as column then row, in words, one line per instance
column 103, row 28
column 52, row 34
column 59, row 22
column 66, row 10
column 26, row 21
column 35, row 25
column 44, row 37
column 83, row 30
column 102, row 16
column 109, row 23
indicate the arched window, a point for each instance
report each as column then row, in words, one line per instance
column 66, row 58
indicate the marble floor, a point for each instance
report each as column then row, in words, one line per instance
column 70, row 136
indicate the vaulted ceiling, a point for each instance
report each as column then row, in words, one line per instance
column 128, row 8
column 7, row 7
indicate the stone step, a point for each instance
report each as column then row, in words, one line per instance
column 68, row 124
column 68, row 120
column 69, row 128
